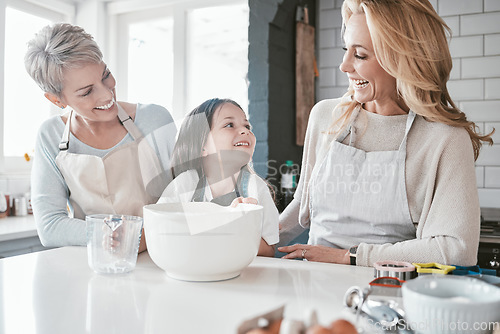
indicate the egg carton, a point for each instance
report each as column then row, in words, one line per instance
column 273, row 322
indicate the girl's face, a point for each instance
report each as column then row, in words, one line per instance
column 369, row 80
column 90, row 91
column 230, row 131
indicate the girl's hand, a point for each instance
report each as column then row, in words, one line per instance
column 248, row 200
column 316, row 253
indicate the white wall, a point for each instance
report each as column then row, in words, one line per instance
column 92, row 16
column 475, row 79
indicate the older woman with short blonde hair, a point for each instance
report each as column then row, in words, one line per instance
column 102, row 155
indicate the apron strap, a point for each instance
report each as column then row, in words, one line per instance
column 199, row 192
column 64, row 143
column 409, row 123
column 123, row 117
column 237, row 189
column 349, row 130
column 344, row 134
column 128, row 123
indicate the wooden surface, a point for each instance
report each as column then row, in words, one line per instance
column 304, row 76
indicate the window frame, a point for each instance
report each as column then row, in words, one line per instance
column 54, row 10
column 122, row 14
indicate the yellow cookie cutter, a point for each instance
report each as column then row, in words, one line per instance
column 433, row 268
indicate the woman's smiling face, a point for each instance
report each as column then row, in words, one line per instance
column 90, row 91
column 368, row 79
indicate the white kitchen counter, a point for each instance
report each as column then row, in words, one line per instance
column 56, row 292
column 18, row 235
column 13, row 227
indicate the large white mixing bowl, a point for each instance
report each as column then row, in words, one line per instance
column 178, row 240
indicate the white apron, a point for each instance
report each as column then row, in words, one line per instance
column 115, row 183
column 359, row 196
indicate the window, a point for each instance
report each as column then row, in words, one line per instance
column 181, row 54
column 217, row 54
column 151, row 62
column 176, row 54
column 23, row 106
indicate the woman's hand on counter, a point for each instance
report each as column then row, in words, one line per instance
column 316, row 253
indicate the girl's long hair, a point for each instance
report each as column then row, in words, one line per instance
column 410, row 43
column 193, row 134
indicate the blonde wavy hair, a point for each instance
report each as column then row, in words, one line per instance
column 411, row 43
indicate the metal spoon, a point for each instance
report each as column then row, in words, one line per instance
column 385, row 315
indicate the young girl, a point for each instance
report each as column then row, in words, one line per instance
column 210, row 163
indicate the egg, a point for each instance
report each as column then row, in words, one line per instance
column 274, row 327
column 342, row 326
column 317, row 329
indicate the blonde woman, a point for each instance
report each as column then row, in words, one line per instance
column 392, row 176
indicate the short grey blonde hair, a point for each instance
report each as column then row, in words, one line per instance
column 55, row 48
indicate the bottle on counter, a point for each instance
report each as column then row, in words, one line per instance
column 28, row 202
column 288, row 182
column 4, row 205
column 20, row 206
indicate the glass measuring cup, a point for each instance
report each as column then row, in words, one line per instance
column 113, row 242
